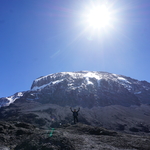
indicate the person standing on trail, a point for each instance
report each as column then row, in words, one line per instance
column 75, row 114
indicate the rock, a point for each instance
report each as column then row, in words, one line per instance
column 70, row 137
column 95, row 130
column 4, row 148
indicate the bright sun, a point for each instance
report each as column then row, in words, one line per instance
column 99, row 17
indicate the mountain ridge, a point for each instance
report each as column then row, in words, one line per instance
column 107, row 100
column 101, row 88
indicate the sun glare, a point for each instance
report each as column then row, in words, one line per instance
column 99, row 17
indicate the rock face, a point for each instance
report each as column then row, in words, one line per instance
column 87, row 89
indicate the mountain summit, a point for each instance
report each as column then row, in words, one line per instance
column 107, row 100
column 85, row 88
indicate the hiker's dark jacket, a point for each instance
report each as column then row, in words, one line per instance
column 75, row 113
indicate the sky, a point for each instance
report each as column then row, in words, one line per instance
column 41, row 37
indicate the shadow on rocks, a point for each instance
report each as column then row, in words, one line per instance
column 4, row 148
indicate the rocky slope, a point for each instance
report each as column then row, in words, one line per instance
column 108, row 100
column 135, row 119
column 23, row 136
column 111, row 106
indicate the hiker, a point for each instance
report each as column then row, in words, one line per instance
column 75, row 114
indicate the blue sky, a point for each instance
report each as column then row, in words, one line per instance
column 40, row 37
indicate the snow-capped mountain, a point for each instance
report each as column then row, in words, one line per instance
column 113, row 101
column 85, row 88
column 6, row 101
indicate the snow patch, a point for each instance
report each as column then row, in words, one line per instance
column 125, row 83
column 57, row 81
column 138, row 92
column 115, row 75
column 88, row 81
column 12, row 98
column 123, row 80
column 42, row 78
column 146, row 88
column 35, row 88
column 92, row 75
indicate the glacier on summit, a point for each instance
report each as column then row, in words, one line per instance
column 85, row 88
column 51, row 79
